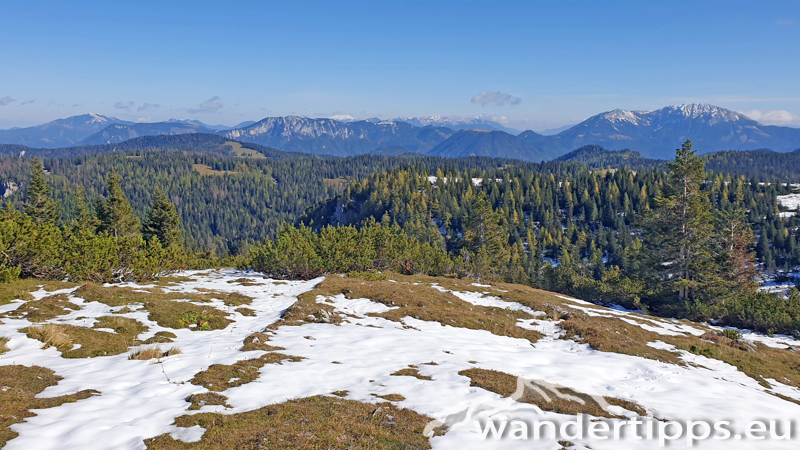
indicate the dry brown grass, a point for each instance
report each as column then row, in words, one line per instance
column 314, row 423
column 219, row 377
column 245, row 282
column 93, row 342
column 207, row 398
column 51, row 335
column 148, row 353
column 21, row 289
column 121, row 325
column 559, row 399
column 3, row 346
column 390, row 397
column 411, row 372
column 611, row 334
column 246, row 311
column 17, row 398
column 44, row 309
column 307, row 310
column 163, row 307
column 230, row 298
column 258, row 341
column 120, row 296
column 166, row 281
column 10, row 292
column 162, row 337
column 425, row 303
column 342, row 393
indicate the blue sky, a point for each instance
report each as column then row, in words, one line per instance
column 540, row 64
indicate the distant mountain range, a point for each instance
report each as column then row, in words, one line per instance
column 59, row 133
column 654, row 134
column 331, row 137
column 119, row 132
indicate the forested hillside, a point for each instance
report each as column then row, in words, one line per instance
column 224, row 201
column 616, row 236
column 194, row 142
column 607, row 235
column 755, row 165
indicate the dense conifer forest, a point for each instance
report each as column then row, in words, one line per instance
column 673, row 238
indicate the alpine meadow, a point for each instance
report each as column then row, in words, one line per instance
column 404, row 238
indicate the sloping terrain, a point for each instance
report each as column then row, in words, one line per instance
column 122, row 132
column 230, row 359
column 489, row 143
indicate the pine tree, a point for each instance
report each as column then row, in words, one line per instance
column 735, row 240
column 85, row 218
column 116, row 214
column 38, row 203
column 679, row 231
column 482, row 229
column 163, row 221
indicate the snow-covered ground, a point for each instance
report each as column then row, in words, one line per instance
column 789, row 201
column 140, row 399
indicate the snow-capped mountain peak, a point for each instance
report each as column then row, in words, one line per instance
column 622, row 115
column 99, row 118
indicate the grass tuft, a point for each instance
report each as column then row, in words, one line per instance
column 391, row 397
column 52, row 336
column 3, row 346
column 245, row 282
column 246, row 311
column 207, row 399
column 219, row 377
column 410, row 372
column 92, row 342
column 258, row 341
column 148, row 353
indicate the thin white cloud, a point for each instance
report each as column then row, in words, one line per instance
column 495, row 98
column 123, row 105
column 500, row 119
column 6, row 100
column 210, row 105
column 784, row 22
column 28, row 102
column 148, row 106
column 775, row 117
